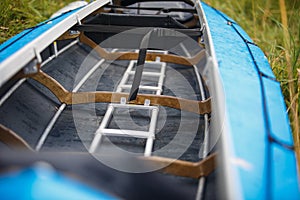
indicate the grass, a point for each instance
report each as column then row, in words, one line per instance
column 273, row 24
column 18, row 15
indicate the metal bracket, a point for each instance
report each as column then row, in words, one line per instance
column 78, row 19
column 33, row 66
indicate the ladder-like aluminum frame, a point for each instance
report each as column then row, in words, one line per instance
column 150, row 134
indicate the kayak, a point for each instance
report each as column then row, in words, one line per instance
column 142, row 99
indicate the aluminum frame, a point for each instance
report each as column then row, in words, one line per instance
column 150, row 134
column 104, row 131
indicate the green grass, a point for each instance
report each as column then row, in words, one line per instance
column 20, row 14
column 273, row 24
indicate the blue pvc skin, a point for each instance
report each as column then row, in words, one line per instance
column 38, row 183
column 272, row 167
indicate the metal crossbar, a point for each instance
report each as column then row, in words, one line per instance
column 103, row 129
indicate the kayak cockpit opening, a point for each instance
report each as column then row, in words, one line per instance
column 125, row 79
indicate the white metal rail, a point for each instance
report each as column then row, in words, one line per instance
column 205, row 148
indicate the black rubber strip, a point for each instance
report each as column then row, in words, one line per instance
column 130, row 2
column 164, row 10
column 118, row 29
column 138, row 74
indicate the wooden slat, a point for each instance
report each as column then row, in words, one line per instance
column 184, row 168
column 64, row 96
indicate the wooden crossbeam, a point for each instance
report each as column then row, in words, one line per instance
column 184, row 168
column 166, row 165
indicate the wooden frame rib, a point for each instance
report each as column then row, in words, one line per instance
column 184, row 168
column 67, row 97
column 199, row 107
column 13, row 140
column 169, row 58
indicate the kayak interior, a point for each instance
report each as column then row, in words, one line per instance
column 84, row 83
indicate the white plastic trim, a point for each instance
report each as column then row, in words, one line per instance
column 229, row 177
